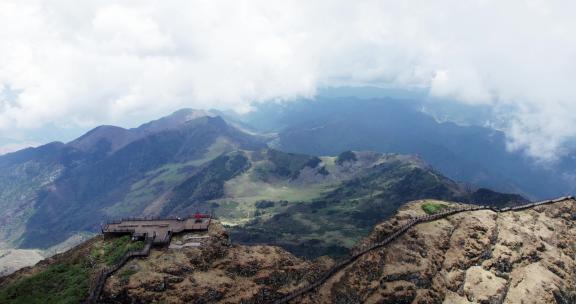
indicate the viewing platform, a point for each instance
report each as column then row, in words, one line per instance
column 158, row 230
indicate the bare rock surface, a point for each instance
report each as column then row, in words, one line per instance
column 215, row 271
column 472, row 257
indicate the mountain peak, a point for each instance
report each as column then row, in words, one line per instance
column 115, row 137
column 112, row 138
column 174, row 120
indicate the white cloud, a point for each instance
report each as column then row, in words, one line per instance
column 111, row 61
column 12, row 147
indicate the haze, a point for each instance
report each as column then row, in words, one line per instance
column 66, row 67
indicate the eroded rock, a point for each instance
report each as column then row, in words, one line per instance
column 470, row 257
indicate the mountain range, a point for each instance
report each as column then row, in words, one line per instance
column 196, row 160
column 470, row 151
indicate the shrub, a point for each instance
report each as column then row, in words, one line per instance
column 433, row 208
column 113, row 251
column 264, row 204
column 59, row 283
column 345, row 156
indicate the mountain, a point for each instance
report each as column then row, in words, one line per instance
column 480, row 256
column 469, row 153
column 194, row 160
column 87, row 193
column 52, row 192
column 372, row 187
column 317, row 209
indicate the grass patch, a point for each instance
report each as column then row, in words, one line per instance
column 249, row 188
column 59, row 283
column 433, row 208
column 113, row 251
column 126, row 274
column 67, row 279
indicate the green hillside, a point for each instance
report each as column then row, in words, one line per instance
column 190, row 162
column 333, row 222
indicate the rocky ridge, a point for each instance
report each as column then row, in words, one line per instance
column 471, row 257
column 207, row 268
column 481, row 256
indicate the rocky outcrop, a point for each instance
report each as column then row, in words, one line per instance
column 471, row 257
column 478, row 256
column 213, row 271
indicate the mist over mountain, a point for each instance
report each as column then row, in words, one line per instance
column 469, row 153
column 283, row 152
column 316, row 205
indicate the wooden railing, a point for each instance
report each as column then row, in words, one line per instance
column 156, row 218
column 98, row 284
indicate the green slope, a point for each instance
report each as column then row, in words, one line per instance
column 332, row 223
column 127, row 180
column 177, row 165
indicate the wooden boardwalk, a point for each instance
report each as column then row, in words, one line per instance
column 154, row 231
column 159, row 230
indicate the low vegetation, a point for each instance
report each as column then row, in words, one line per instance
column 345, row 156
column 264, row 204
column 290, row 164
column 126, row 274
column 67, row 278
column 113, row 251
column 433, row 208
column 59, row 283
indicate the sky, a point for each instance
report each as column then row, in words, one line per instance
column 67, row 66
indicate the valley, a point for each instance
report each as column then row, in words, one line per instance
column 287, row 152
column 195, row 161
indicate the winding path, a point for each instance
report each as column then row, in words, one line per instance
column 426, row 218
column 98, row 284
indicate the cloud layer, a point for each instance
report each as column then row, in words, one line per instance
column 66, row 64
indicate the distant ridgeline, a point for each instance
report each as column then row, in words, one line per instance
column 469, row 151
column 192, row 161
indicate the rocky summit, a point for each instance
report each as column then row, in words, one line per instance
column 481, row 256
column 472, row 257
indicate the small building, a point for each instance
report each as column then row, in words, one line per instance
column 157, row 230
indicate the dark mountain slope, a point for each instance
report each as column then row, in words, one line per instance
column 75, row 202
column 189, row 161
column 104, row 139
column 22, row 175
column 332, row 223
column 207, row 184
column 108, row 139
column 472, row 154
